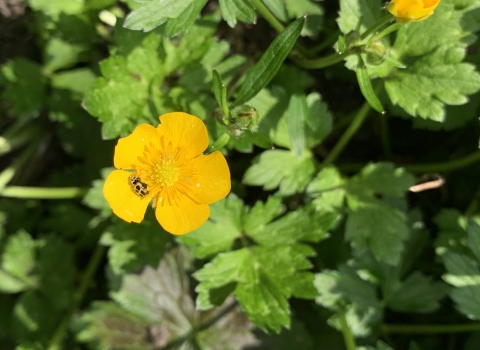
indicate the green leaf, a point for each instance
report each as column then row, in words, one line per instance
column 17, row 265
column 327, row 190
column 133, row 246
column 262, row 213
column 432, row 81
column 233, row 10
column 264, row 277
column 267, row 66
column 450, row 24
column 298, row 113
column 303, row 224
column 60, row 54
column 153, row 13
column 55, row 7
column 417, row 294
column 373, row 223
column 280, row 168
column 220, row 92
column 248, row 136
column 95, row 198
column 313, row 12
column 344, row 289
column 218, row 233
column 121, row 97
column 353, row 12
column 365, row 85
column 181, row 24
column 24, row 88
column 278, row 9
column 383, row 178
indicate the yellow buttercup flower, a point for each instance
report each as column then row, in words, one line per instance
column 412, row 10
column 166, row 165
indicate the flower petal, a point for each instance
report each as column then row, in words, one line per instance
column 129, row 148
column 186, row 133
column 182, row 217
column 210, row 180
column 123, row 201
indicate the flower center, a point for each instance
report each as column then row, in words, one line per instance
column 166, row 173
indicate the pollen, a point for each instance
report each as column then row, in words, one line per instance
column 166, row 173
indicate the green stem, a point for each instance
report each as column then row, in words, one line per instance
column 43, row 192
column 317, row 63
column 56, row 341
column 440, row 167
column 345, row 139
column 268, row 15
column 377, row 25
column 189, row 335
column 8, row 173
column 388, row 30
column 346, row 331
column 385, row 136
column 430, row 328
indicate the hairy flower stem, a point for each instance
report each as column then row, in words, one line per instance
column 346, row 137
column 43, row 192
column 377, row 25
column 346, row 331
column 56, row 340
column 429, row 328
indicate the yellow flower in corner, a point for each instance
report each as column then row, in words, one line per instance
column 412, row 10
column 166, row 165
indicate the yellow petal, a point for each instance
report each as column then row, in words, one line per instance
column 187, row 133
column 123, row 201
column 210, row 179
column 183, row 216
column 129, row 148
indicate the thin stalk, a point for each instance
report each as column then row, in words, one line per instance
column 317, row 63
column 441, row 167
column 189, row 335
column 388, row 30
column 385, row 136
column 56, row 341
column 347, row 136
column 429, row 328
column 8, row 173
column 377, row 25
column 347, row 333
column 268, row 15
column 43, row 192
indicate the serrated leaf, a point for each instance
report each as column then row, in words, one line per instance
column 327, row 190
column 233, row 10
column 133, row 246
column 17, row 264
column 432, row 81
column 298, row 112
column 262, row 213
column 450, row 24
column 218, row 233
column 181, row 24
column 60, row 54
column 473, row 238
column 353, row 12
column 267, row 66
column 313, row 12
column 417, row 293
column 304, row 224
column 384, row 179
column 153, row 13
column 264, row 276
column 24, row 90
column 280, row 168
column 374, row 224
column 250, row 137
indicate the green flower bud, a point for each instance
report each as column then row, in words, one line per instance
column 375, row 53
column 243, row 117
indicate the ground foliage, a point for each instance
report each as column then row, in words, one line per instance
column 320, row 244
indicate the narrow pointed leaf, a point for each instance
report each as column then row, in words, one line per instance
column 265, row 69
column 220, row 92
column 366, row 86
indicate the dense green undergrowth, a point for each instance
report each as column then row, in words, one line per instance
column 352, row 142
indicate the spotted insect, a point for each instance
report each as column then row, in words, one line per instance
column 139, row 187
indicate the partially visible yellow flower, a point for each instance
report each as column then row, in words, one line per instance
column 412, row 10
column 166, row 165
